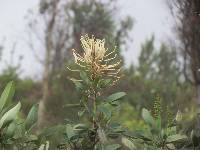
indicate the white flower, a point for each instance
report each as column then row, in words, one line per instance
column 96, row 59
column 93, row 49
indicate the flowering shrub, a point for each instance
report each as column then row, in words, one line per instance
column 99, row 69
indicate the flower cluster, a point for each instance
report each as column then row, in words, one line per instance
column 96, row 59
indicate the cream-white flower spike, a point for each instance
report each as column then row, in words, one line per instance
column 95, row 58
column 93, row 49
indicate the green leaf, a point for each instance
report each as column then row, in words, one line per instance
column 175, row 138
column 80, row 127
column 158, row 123
column 104, row 83
column 138, row 135
column 32, row 117
column 84, row 77
column 171, row 146
column 19, row 131
column 81, row 113
column 116, row 128
column 7, row 94
column 72, row 105
column 32, row 137
column 11, row 130
column 69, row 131
column 115, row 96
column 112, row 147
column 114, row 103
column 10, row 115
column 77, row 83
column 128, row 143
column 106, row 111
column 146, row 115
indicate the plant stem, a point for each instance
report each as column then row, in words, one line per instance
column 94, row 99
column 94, row 90
column 94, row 109
column 94, row 118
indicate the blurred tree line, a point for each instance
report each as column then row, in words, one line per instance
column 58, row 28
column 186, row 14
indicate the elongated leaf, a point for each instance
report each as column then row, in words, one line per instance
column 10, row 115
column 80, row 127
column 128, row 143
column 115, row 96
column 112, row 147
column 147, row 117
column 113, row 135
column 176, row 137
column 84, row 77
column 117, row 128
column 7, row 94
column 32, row 117
column 72, row 105
column 106, row 111
column 77, row 83
column 138, row 135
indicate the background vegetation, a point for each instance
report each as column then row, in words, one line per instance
column 170, row 72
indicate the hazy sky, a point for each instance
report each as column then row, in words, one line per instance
column 151, row 17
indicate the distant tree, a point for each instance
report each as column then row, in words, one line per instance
column 147, row 59
column 187, row 15
column 158, row 72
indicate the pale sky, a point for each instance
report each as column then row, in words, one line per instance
column 151, row 17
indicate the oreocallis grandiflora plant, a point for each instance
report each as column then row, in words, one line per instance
column 98, row 69
column 15, row 132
